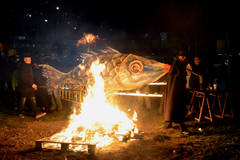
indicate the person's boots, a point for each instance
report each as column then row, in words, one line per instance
column 37, row 111
column 21, row 106
column 183, row 128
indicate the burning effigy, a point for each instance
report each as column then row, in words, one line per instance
column 121, row 72
column 97, row 121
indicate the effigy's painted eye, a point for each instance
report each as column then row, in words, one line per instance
column 136, row 67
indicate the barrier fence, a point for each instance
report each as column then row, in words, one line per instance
column 75, row 93
column 70, row 92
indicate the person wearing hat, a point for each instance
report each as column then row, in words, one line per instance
column 174, row 110
column 27, row 87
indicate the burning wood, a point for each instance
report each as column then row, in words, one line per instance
column 96, row 121
column 63, row 146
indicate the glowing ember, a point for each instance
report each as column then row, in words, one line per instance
column 98, row 122
column 87, row 39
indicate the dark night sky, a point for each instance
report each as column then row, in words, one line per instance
column 131, row 16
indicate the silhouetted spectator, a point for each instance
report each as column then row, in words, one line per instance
column 42, row 92
column 11, row 76
column 4, row 74
column 27, row 87
column 197, row 75
column 176, row 92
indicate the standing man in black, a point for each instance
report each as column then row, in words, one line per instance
column 176, row 92
column 196, row 80
column 27, row 87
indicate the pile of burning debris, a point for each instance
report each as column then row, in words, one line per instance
column 96, row 122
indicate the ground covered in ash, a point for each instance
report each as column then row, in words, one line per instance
column 217, row 140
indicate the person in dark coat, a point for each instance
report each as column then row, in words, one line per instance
column 3, row 79
column 196, row 80
column 176, row 92
column 27, row 87
column 42, row 92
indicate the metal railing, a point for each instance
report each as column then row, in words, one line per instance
column 70, row 92
column 75, row 93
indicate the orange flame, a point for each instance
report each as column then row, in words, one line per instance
column 99, row 122
column 88, row 38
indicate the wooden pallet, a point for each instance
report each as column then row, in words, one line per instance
column 64, row 145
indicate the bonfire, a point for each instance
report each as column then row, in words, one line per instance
column 96, row 121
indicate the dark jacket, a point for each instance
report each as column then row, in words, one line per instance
column 26, row 80
column 41, row 82
column 3, row 69
column 176, row 91
column 194, row 80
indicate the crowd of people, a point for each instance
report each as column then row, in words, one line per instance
column 186, row 76
column 22, row 84
column 183, row 76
